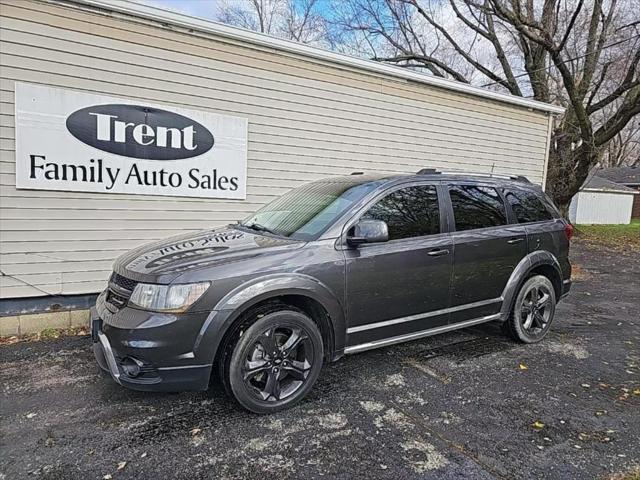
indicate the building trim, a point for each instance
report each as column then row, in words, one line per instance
column 628, row 192
column 49, row 304
column 167, row 17
column 545, row 168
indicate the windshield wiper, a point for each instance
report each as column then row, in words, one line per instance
column 258, row 228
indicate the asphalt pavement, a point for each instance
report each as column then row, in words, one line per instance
column 469, row 404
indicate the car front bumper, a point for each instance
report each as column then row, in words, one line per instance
column 164, row 355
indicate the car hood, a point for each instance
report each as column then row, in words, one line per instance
column 173, row 256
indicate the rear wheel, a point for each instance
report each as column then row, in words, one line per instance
column 533, row 310
column 275, row 362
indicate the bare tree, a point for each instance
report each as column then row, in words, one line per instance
column 298, row 20
column 624, row 148
column 581, row 54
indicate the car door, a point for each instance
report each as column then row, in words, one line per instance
column 487, row 248
column 400, row 286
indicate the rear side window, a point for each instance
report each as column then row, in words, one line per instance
column 527, row 206
column 408, row 212
column 476, row 207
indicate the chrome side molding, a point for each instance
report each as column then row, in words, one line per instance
column 420, row 316
column 416, row 335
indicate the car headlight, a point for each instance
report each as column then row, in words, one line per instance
column 167, row 298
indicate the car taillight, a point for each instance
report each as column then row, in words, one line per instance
column 568, row 231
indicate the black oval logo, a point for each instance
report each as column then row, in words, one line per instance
column 140, row 132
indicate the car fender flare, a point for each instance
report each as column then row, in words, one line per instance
column 522, row 270
column 243, row 297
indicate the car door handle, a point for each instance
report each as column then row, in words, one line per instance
column 513, row 241
column 438, row 252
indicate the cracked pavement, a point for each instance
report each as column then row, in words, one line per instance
column 458, row 405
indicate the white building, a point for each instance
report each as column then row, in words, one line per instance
column 601, row 201
column 281, row 114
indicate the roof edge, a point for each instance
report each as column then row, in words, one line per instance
column 607, row 190
column 162, row 15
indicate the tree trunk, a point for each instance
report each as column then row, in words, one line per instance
column 569, row 167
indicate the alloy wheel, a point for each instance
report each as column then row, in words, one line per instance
column 536, row 309
column 278, row 363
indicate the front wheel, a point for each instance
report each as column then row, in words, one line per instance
column 275, row 362
column 533, row 310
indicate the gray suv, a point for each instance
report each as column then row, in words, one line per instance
column 335, row 266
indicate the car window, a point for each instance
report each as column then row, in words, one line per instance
column 305, row 212
column 476, row 207
column 408, row 212
column 527, row 206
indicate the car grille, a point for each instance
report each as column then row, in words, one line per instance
column 119, row 291
column 123, row 282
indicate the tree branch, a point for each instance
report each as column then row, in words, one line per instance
column 627, row 84
column 577, row 11
column 477, row 65
column 629, row 108
column 426, row 60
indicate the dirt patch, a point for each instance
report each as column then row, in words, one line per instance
column 579, row 274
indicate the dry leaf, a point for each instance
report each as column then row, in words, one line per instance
column 636, row 391
column 121, row 465
column 195, row 431
column 522, row 366
column 538, row 425
column 31, row 415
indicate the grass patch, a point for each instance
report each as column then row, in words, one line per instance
column 617, row 236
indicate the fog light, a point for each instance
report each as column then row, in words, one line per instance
column 131, row 366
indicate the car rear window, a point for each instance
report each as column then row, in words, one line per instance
column 527, row 206
column 409, row 212
column 476, row 206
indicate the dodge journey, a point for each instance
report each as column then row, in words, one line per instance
column 333, row 267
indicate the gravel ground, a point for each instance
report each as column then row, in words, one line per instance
column 459, row 405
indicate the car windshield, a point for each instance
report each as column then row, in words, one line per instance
column 304, row 213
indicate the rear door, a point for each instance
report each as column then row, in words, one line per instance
column 400, row 286
column 544, row 226
column 487, row 248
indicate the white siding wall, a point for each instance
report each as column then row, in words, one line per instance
column 599, row 208
column 307, row 119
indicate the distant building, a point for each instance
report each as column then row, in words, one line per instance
column 627, row 176
column 601, row 201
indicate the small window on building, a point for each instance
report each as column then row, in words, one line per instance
column 527, row 206
column 476, row 207
column 408, row 212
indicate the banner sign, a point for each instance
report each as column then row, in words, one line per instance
column 82, row 142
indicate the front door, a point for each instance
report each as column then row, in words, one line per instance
column 486, row 251
column 398, row 287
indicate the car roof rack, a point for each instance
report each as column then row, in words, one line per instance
column 427, row 171
column 517, row 178
column 356, row 173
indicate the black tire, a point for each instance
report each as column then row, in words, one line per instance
column 533, row 311
column 264, row 381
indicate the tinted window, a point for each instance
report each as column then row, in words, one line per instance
column 527, row 206
column 305, row 212
column 476, row 207
column 409, row 212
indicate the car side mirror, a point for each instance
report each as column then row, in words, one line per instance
column 368, row 231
